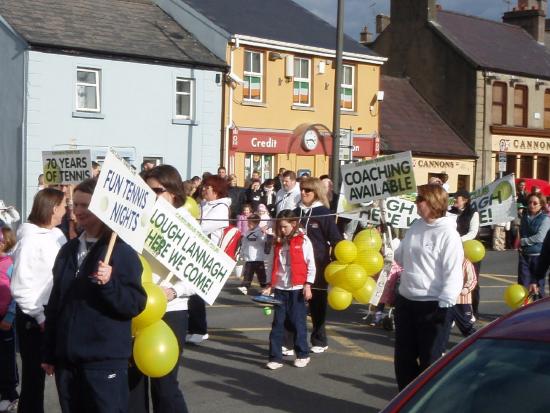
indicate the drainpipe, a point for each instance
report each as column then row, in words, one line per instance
column 226, row 145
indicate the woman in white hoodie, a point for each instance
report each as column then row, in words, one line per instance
column 39, row 242
column 214, row 218
column 431, row 255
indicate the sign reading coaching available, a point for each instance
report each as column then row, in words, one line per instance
column 123, row 201
column 66, row 167
column 378, row 178
column 178, row 243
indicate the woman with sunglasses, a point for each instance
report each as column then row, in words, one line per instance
column 532, row 231
column 319, row 225
column 431, row 256
column 166, row 395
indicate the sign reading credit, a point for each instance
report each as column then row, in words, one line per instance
column 378, row 178
column 123, row 201
column 66, row 167
column 178, row 243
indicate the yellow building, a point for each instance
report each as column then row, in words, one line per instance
column 281, row 75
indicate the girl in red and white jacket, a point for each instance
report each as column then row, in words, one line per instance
column 291, row 278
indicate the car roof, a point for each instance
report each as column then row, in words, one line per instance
column 527, row 323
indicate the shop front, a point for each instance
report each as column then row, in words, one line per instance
column 266, row 151
column 459, row 171
column 526, row 156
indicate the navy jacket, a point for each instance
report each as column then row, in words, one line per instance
column 90, row 324
column 323, row 233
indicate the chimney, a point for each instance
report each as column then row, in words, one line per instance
column 382, row 21
column 365, row 37
column 413, row 12
column 530, row 15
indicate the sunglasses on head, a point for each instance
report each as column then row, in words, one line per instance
column 159, row 190
column 306, row 190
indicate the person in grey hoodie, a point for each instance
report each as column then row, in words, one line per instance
column 431, row 255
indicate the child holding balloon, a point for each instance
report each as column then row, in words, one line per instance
column 292, row 275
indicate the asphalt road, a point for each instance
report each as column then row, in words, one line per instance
column 227, row 374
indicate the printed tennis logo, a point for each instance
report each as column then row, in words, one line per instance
column 503, row 191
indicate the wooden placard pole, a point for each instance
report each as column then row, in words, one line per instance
column 110, row 248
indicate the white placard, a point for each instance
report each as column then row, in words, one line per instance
column 66, row 167
column 179, row 244
column 378, row 178
column 496, row 202
column 123, row 201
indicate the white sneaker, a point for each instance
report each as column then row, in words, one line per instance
column 274, row 365
column 301, row 362
column 287, row 351
column 4, row 404
column 196, row 338
column 319, row 349
column 243, row 290
column 9, row 407
column 473, row 319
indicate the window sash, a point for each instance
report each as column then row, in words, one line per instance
column 301, row 94
column 253, row 76
column 499, row 103
column 520, row 106
column 184, row 89
column 87, row 90
column 547, row 109
column 347, row 88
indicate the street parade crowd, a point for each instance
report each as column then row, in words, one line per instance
column 69, row 308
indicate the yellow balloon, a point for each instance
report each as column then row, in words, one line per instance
column 192, row 206
column 474, row 250
column 371, row 260
column 368, row 239
column 156, row 350
column 332, row 269
column 515, row 295
column 351, row 278
column 339, row 299
column 147, row 274
column 345, row 251
column 364, row 294
column 154, row 308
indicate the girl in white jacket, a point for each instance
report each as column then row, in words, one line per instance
column 39, row 242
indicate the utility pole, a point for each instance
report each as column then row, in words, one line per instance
column 335, row 164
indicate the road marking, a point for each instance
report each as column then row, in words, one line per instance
column 354, row 350
column 497, row 278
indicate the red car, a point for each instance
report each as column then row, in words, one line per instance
column 504, row 367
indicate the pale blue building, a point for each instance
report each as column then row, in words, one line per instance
column 98, row 73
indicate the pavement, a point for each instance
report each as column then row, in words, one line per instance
column 227, row 372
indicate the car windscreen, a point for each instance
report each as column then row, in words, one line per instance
column 492, row 375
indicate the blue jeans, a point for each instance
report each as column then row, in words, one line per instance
column 8, row 367
column 293, row 309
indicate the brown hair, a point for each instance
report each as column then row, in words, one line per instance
column 316, row 185
column 87, row 186
column 9, row 239
column 289, row 174
column 541, row 198
column 219, row 185
column 44, row 202
column 436, row 197
column 286, row 215
column 254, row 218
column 170, row 178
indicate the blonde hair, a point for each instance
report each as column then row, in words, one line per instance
column 319, row 190
column 436, row 197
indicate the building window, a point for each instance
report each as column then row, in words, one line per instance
column 347, row 95
column 302, row 82
column 520, row 106
column 260, row 163
column 499, row 103
column 547, row 109
column 184, row 98
column 253, row 75
column 88, row 90
column 543, row 166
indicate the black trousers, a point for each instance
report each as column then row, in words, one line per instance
column 421, row 334
column 31, row 399
column 8, row 366
column 318, row 312
column 476, row 290
column 197, row 316
column 166, row 394
column 251, row 268
column 85, row 390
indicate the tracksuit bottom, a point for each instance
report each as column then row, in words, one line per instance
column 197, row 315
column 421, row 335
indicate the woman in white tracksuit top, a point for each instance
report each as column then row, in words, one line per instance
column 431, row 256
